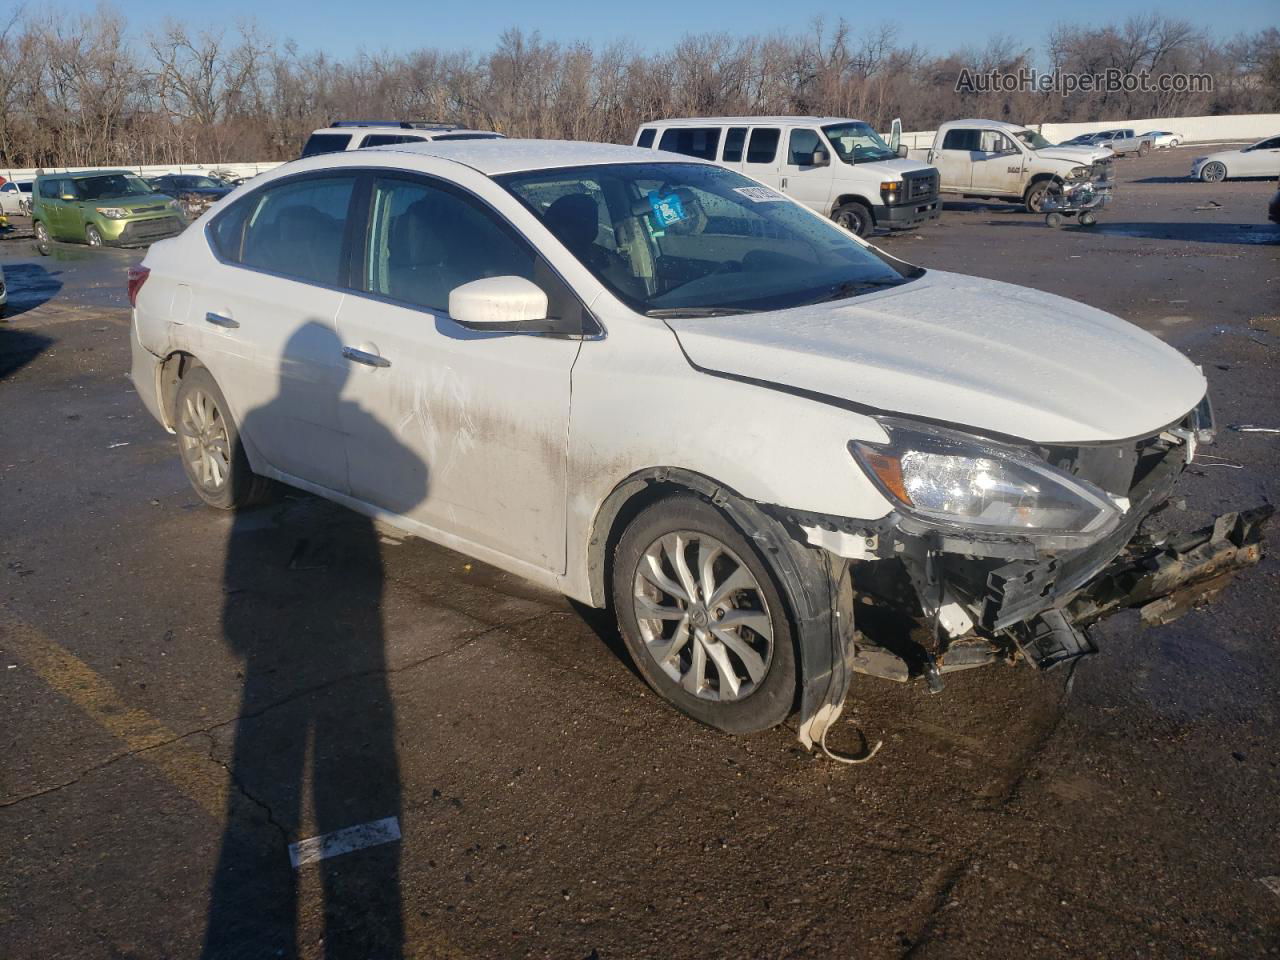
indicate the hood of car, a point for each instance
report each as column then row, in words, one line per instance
column 899, row 165
column 981, row 354
column 1081, row 154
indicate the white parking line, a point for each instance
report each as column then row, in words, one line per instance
column 344, row 841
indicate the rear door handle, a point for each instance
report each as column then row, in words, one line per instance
column 368, row 359
column 218, row 320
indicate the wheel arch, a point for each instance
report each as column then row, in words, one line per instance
column 854, row 198
column 1041, row 178
column 171, row 370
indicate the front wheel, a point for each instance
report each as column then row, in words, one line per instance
column 92, row 236
column 1087, row 219
column 855, row 217
column 703, row 617
column 44, row 245
column 1213, row 172
column 1035, row 195
column 213, row 457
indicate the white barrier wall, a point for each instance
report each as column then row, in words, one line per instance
column 1242, row 127
column 155, row 170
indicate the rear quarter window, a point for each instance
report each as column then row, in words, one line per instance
column 319, row 143
column 646, row 138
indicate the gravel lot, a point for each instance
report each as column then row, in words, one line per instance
column 183, row 694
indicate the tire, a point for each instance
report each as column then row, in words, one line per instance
column 1087, row 219
column 855, row 217
column 687, row 526
column 1214, row 172
column 1053, row 220
column 1173, row 143
column 1144, row 148
column 1034, row 197
column 92, row 236
column 44, row 245
column 209, row 446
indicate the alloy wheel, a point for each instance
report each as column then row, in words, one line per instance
column 703, row 616
column 203, row 438
column 1213, row 172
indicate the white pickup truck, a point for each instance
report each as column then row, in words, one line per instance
column 993, row 159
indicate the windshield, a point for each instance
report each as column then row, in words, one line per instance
column 691, row 239
column 857, row 143
column 1033, row 139
column 111, row 186
column 198, row 183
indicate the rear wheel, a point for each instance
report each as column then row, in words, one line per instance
column 209, row 443
column 703, row 617
column 43, row 244
column 1144, row 148
column 1213, row 172
column 92, row 236
column 855, row 217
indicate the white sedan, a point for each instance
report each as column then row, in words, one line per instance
column 1162, row 139
column 653, row 384
column 1261, row 159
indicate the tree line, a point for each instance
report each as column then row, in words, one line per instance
column 86, row 89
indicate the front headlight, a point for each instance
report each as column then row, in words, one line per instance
column 960, row 483
column 113, row 213
column 1078, row 173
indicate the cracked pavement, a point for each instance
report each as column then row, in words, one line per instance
column 186, row 693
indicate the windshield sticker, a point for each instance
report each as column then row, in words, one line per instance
column 759, row 194
column 666, row 209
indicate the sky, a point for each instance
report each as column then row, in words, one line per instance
column 343, row 28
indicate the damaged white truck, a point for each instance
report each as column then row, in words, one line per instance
column 778, row 454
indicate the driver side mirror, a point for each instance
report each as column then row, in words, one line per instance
column 499, row 304
column 67, row 196
column 902, row 150
column 820, row 158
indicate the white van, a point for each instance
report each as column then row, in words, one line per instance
column 836, row 166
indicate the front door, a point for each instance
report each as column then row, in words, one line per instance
column 1260, row 160
column 460, row 430
column 801, row 179
column 263, row 319
column 997, row 167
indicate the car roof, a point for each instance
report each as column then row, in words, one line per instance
column 377, row 128
column 746, row 121
column 494, row 157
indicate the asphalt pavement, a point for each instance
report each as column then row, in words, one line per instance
column 192, row 702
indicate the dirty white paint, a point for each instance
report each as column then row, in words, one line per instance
column 347, row 840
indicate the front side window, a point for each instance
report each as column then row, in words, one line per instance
column 700, row 142
column 681, row 239
column 856, row 142
column 995, row 142
column 763, row 146
column 295, row 229
column 800, row 147
column 425, row 240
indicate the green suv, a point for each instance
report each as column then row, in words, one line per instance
column 101, row 207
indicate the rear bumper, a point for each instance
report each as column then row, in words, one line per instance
column 144, row 372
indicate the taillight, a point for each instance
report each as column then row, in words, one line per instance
column 137, row 277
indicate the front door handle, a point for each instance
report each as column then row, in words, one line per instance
column 218, row 320
column 368, row 359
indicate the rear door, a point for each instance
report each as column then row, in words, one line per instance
column 801, row 179
column 763, row 157
column 263, row 319
column 463, row 431
column 954, row 159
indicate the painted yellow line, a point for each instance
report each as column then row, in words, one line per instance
column 188, row 769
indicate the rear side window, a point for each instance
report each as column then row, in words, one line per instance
column 295, row 229
column 468, row 136
column 962, row 140
column 646, row 138
column 800, row 147
column 388, row 139
column 319, row 143
column 700, row 142
column 763, row 147
column 734, row 141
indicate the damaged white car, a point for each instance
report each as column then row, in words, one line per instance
column 780, row 455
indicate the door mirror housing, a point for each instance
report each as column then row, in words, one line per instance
column 820, row 158
column 499, row 304
column 902, row 150
column 67, row 196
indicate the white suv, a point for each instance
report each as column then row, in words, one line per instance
column 649, row 382
column 360, row 134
